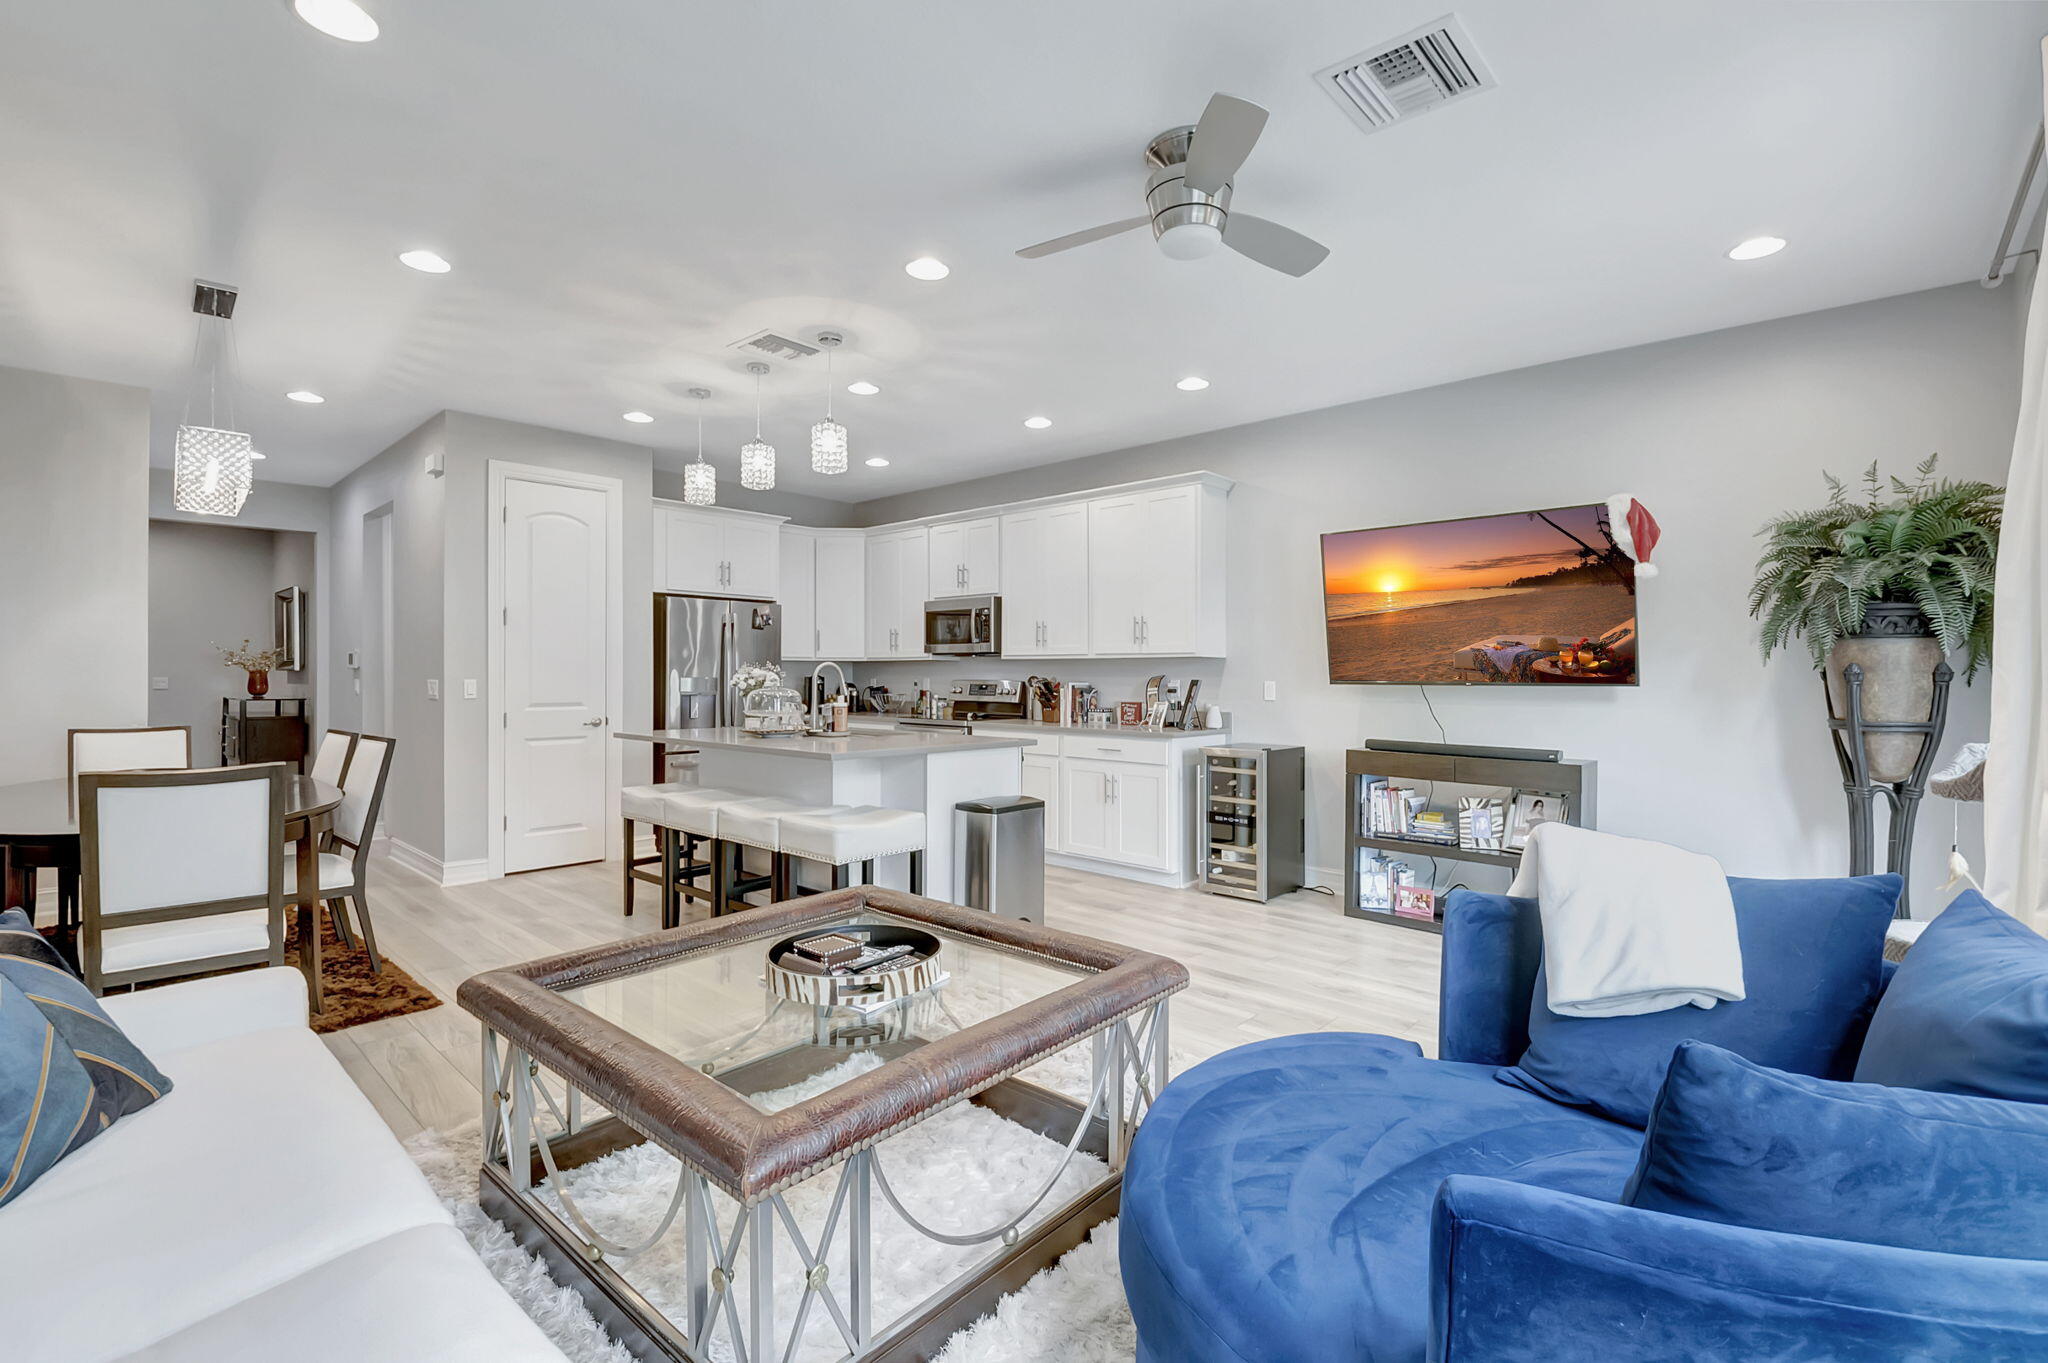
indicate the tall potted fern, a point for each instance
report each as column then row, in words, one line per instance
column 1890, row 581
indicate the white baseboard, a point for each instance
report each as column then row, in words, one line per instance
column 446, row 874
column 1165, row 879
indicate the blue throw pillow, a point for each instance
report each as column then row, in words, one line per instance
column 1967, row 1011
column 1812, row 962
column 48, row 1105
column 123, row 1076
column 1744, row 1145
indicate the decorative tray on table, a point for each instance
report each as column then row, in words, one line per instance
column 858, row 965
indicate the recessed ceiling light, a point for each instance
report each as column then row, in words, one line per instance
column 1038, row 423
column 638, row 418
column 878, row 463
column 305, row 396
column 1756, row 248
column 927, row 267
column 863, row 388
column 343, row 19
column 1191, row 384
column 426, row 262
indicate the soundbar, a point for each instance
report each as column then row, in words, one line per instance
column 1466, row 750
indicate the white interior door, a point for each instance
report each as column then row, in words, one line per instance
column 557, row 674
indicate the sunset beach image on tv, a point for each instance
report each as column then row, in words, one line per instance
column 1527, row 598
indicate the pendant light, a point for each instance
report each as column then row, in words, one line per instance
column 700, row 480
column 757, row 456
column 211, row 465
column 828, row 437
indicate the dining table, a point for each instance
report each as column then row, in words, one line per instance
column 39, row 827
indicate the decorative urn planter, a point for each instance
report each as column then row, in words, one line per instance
column 259, row 683
column 1898, row 653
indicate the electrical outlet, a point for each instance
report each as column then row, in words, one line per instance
column 159, row 683
column 433, row 688
column 469, row 688
column 1272, row 690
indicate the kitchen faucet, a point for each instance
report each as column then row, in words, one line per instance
column 818, row 689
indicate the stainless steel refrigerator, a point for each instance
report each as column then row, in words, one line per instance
column 699, row 642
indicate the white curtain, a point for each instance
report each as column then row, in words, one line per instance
column 2016, row 773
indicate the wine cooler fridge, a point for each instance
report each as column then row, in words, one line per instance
column 1251, row 802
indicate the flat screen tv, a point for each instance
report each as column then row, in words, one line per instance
column 1528, row 598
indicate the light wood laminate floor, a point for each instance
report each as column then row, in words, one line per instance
column 1259, row 970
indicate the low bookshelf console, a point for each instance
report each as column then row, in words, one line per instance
column 1436, row 778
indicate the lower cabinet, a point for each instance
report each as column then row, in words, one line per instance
column 1042, row 781
column 1118, row 811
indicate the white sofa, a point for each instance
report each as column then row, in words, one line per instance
column 261, row 1211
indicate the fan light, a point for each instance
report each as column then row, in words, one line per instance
column 426, row 262
column 1191, row 384
column 638, row 418
column 876, row 463
column 1037, row 423
column 306, row 396
column 1191, row 240
column 862, row 389
column 928, row 268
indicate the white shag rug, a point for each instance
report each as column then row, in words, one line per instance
column 962, row 1170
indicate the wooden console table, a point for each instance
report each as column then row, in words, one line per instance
column 264, row 729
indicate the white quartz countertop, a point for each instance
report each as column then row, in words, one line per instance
column 1024, row 728
column 844, row 748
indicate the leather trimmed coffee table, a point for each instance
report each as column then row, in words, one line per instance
column 676, row 1036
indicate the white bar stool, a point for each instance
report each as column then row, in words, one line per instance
column 642, row 804
column 863, row 834
column 757, row 822
column 692, row 813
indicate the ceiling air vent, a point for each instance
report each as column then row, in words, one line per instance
column 775, row 346
column 1417, row 72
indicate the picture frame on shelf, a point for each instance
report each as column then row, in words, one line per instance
column 1130, row 713
column 1533, row 807
column 1482, row 823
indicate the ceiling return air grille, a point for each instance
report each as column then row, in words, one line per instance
column 774, row 346
column 1417, row 72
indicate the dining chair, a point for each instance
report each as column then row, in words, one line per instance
column 344, row 875
column 160, row 747
column 330, row 760
column 183, row 872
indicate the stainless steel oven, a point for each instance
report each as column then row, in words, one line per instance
column 959, row 626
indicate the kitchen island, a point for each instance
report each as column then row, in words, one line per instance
column 925, row 770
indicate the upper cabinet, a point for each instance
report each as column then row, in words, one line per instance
column 1156, row 572
column 824, row 593
column 716, row 553
column 966, row 558
column 898, row 572
column 1045, row 606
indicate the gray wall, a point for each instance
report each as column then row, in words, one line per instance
column 1715, row 433
column 74, row 564
column 804, row 510
column 209, row 584
column 415, row 798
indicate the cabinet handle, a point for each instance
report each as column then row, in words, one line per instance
column 817, row 640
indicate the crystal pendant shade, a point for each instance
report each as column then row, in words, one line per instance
column 211, row 471
column 757, row 465
column 700, row 484
column 828, row 447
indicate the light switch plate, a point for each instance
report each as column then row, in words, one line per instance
column 159, row 683
column 433, row 688
column 1272, row 690
column 469, row 688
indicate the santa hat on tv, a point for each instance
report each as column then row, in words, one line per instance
column 1634, row 529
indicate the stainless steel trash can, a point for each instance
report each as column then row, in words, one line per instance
column 999, row 856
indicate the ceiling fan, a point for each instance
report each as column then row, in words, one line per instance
column 1188, row 196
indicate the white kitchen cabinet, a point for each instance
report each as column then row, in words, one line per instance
column 1156, row 572
column 1042, row 780
column 966, row 557
column 824, row 594
column 898, row 572
column 716, row 553
column 1119, row 811
column 1045, row 605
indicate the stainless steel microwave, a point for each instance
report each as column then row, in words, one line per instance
column 959, row 626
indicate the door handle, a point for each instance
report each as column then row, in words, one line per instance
column 597, row 723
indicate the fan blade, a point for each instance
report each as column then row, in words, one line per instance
column 1073, row 239
column 1230, row 127
column 1275, row 247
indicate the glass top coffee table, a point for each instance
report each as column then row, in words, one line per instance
column 779, row 1092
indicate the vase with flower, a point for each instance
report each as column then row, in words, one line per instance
column 256, row 662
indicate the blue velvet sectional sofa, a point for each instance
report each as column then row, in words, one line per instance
column 1338, row 1198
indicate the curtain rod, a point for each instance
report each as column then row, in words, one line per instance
column 2005, row 255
